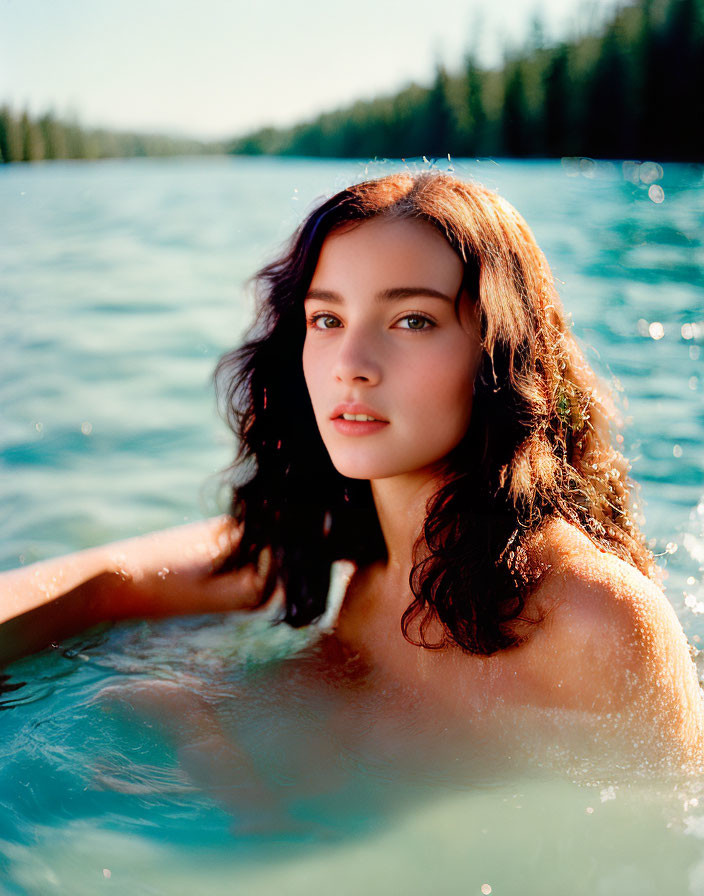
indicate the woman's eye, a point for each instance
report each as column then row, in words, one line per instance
column 324, row 322
column 415, row 322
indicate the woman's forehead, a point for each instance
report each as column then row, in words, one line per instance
column 390, row 247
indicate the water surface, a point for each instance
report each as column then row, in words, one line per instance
column 120, row 285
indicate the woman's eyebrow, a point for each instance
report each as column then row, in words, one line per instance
column 386, row 295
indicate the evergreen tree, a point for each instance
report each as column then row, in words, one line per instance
column 32, row 142
column 557, row 137
column 672, row 97
column 473, row 124
column 515, row 119
column 5, row 135
column 609, row 120
column 439, row 118
column 14, row 139
column 54, row 137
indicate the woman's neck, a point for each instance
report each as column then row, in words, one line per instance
column 371, row 612
column 401, row 505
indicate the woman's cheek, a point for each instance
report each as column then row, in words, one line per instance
column 450, row 387
column 443, row 378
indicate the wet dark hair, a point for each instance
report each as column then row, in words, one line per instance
column 538, row 445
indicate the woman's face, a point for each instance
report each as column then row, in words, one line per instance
column 389, row 366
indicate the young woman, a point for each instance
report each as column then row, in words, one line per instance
column 411, row 400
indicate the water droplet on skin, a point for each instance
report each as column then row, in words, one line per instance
column 163, row 572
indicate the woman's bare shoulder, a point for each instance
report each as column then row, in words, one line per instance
column 611, row 642
column 587, row 586
column 589, row 594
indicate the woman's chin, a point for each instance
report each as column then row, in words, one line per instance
column 371, row 470
column 360, row 470
column 356, row 471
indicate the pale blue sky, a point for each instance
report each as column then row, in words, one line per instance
column 214, row 68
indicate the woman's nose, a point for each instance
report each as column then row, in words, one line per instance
column 357, row 359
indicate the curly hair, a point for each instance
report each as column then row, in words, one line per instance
column 538, row 446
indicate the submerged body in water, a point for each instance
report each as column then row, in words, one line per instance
column 580, row 697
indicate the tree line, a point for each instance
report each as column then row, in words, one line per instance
column 26, row 138
column 634, row 90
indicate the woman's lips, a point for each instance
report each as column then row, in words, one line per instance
column 356, row 427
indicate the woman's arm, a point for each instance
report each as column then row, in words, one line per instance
column 166, row 573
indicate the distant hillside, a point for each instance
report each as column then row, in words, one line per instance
column 635, row 90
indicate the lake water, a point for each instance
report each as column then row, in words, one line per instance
column 120, row 285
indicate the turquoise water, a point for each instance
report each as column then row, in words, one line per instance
column 120, row 285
